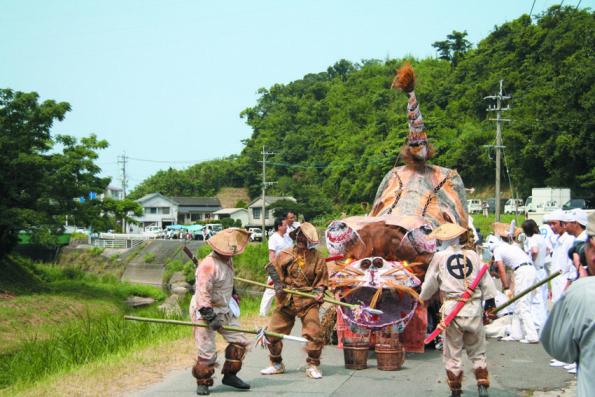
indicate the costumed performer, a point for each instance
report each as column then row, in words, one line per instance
column 300, row 268
column 452, row 271
column 211, row 304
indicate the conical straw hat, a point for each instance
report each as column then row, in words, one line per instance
column 229, row 242
column 503, row 229
column 309, row 231
column 447, row 231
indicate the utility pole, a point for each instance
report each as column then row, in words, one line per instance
column 498, row 109
column 264, row 186
column 123, row 159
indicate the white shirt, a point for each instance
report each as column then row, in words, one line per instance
column 278, row 242
column 560, row 260
column 511, row 255
column 292, row 227
column 537, row 241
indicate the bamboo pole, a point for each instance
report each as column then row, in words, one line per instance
column 307, row 295
column 526, row 291
column 205, row 325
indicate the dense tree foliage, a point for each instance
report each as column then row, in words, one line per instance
column 42, row 176
column 337, row 132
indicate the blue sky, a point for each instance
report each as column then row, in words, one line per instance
column 166, row 81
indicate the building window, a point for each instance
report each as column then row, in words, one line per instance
column 165, row 210
column 256, row 213
column 195, row 217
column 150, row 210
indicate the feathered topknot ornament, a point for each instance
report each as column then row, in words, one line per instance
column 405, row 78
column 405, row 81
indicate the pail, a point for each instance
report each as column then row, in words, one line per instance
column 390, row 357
column 356, row 354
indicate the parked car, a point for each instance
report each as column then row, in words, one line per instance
column 474, row 206
column 255, row 234
column 577, row 203
column 514, row 206
column 492, row 203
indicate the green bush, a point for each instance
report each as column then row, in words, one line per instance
column 149, row 257
column 96, row 251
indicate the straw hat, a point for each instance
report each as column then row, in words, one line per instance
column 447, row 231
column 229, row 242
column 503, row 229
column 308, row 230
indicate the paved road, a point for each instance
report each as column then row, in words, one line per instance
column 514, row 368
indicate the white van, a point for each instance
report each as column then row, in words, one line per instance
column 514, row 206
column 473, row 206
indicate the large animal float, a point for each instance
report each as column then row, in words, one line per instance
column 385, row 254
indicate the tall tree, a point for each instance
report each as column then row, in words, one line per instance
column 39, row 183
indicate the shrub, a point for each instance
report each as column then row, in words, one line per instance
column 96, row 251
column 149, row 257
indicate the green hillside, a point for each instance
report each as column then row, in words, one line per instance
column 337, row 132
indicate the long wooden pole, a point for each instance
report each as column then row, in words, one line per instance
column 526, row 291
column 290, row 291
column 205, row 325
column 307, row 295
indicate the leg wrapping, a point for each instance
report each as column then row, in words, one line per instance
column 234, row 354
column 275, row 349
column 203, row 373
column 314, row 357
column 454, row 381
column 481, row 375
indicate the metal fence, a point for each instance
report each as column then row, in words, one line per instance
column 120, row 240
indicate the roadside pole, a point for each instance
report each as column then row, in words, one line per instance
column 498, row 109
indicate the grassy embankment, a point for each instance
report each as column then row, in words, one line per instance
column 59, row 324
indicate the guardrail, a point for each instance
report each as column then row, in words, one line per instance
column 121, row 240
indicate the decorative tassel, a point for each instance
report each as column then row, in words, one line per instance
column 405, row 78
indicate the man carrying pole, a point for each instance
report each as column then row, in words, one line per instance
column 210, row 305
column 300, row 268
column 453, row 271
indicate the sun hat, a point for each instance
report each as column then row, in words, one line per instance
column 229, row 242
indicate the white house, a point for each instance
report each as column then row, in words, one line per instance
column 162, row 211
column 233, row 213
column 255, row 211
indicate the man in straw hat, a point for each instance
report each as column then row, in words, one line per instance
column 300, row 268
column 509, row 255
column 452, row 271
column 211, row 304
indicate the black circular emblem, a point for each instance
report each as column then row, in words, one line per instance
column 456, row 266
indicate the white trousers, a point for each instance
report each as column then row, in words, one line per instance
column 524, row 277
column 539, row 302
column 267, row 300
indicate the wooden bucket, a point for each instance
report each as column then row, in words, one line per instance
column 356, row 354
column 390, row 357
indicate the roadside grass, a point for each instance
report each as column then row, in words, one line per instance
column 128, row 371
column 75, row 322
column 485, row 223
column 249, row 264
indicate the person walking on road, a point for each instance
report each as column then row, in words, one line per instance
column 300, row 268
column 278, row 241
column 452, row 271
column 211, row 305
column 508, row 255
